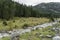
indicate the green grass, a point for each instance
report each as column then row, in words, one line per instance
column 5, row 38
column 18, row 23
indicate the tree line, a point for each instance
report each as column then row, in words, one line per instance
column 10, row 9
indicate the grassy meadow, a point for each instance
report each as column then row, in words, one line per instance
column 18, row 23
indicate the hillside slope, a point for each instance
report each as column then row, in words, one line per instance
column 49, row 8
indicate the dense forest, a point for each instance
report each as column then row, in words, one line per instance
column 10, row 9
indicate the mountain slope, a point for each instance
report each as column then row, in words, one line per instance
column 52, row 8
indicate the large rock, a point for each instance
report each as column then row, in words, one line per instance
column 56, row 38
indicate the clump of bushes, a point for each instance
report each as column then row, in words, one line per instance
column 16, row 27
column 13, row 21
column 5, row 23
column 25, row 25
